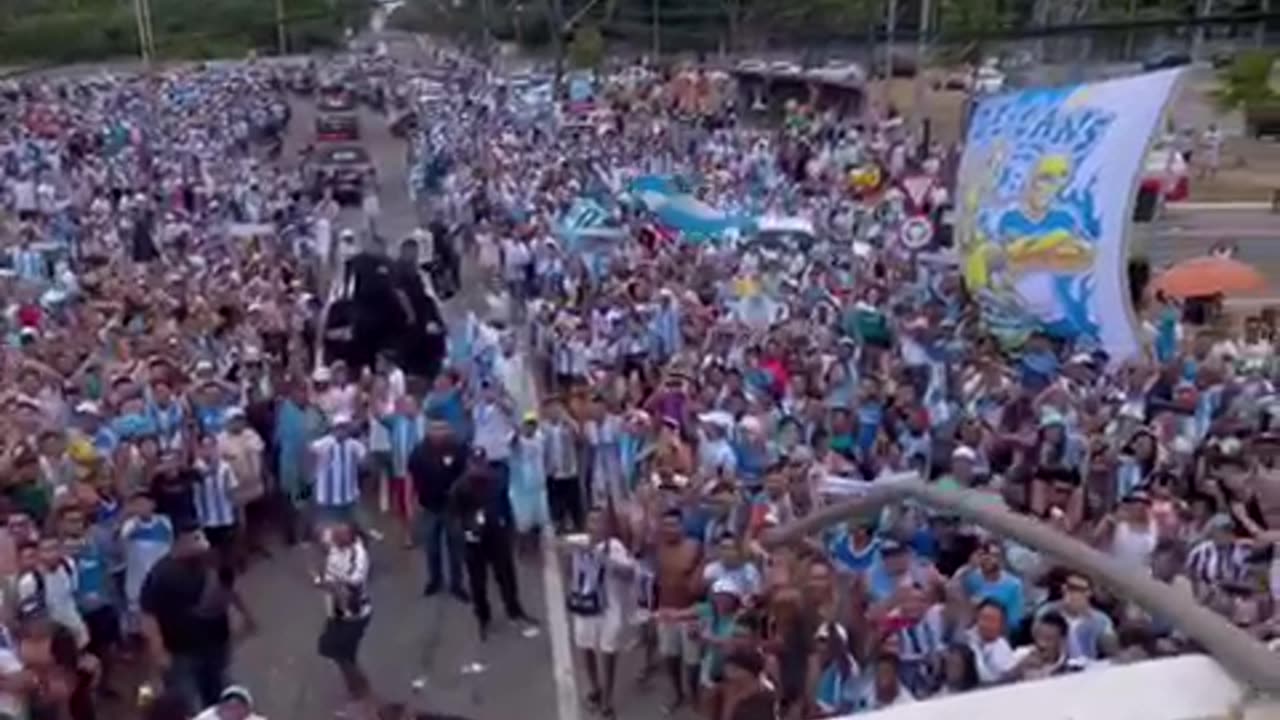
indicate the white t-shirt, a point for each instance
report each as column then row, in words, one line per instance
column 618, row 588
column 349, row 566
column 24, row 195
column 338, row 400
column 745, row 577
column 993, row 660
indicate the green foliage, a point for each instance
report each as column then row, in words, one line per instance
column 967, row 18
column 586, row 50
column 1246, row 81
column 80, row 30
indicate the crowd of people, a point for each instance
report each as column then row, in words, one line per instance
column 702, row 391
column 655, row 402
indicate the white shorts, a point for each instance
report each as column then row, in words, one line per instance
column 599, row 633
column 676, row 640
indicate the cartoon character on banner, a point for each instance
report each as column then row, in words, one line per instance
column 1029, row 240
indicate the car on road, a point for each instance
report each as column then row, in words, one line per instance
column 988, row 80
column 337, row 128
column 345, row 170
column 336, row 100
column 1166, row 60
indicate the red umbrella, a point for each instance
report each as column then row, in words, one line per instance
column 1210, row 275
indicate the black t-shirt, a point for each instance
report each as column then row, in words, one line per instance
column 434, row 467
column 189, row 604
column 374, row 281
column 173, row 495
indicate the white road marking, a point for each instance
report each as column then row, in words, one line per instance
column 562, row 668
column 563, row 671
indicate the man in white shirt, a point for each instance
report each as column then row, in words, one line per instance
column 494, row 425
column 336, row 458
column 345, row 578
column 23, row 190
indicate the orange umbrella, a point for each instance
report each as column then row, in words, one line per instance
column 1209, row 275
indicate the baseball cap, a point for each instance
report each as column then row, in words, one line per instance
column 237, row 692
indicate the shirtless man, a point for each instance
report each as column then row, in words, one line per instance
column 679, row 558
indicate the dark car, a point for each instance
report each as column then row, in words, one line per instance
column 343, row 169
column 336, row 100
column 337, row 128
column 1166, row 60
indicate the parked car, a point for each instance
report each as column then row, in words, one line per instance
column 1262, row 120
column 988, row 80
column 1166, row 172
column 344, row 170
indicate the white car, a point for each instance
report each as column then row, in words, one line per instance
column 988, row 80
column 840, row 72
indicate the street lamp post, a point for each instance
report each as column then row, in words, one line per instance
column 282, row 37
column 146, row 42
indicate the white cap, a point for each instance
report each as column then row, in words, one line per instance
column 237, row 692
column 964, row 452
column 322, row 375
column 235, row 413
column 340, row 419
column 88, row 407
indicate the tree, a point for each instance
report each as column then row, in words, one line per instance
column 967, row 20
column 1246, row 82
column 586, row 50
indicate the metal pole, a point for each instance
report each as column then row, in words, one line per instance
column 150, row 27
column 143, row 51
column 282, row 37
column 556, row 11
column 891, row 29
column 1238, row 652
column 922, row 49
column 484, row 27
column 657, row 30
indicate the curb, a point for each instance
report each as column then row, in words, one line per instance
column 1218, row 206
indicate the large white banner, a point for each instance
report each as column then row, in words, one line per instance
column 1044, row 202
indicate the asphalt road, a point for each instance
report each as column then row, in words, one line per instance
column 410, row 637
column 1182, row 234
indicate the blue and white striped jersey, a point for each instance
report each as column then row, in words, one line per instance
column 215, row 494
column 337, row 470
